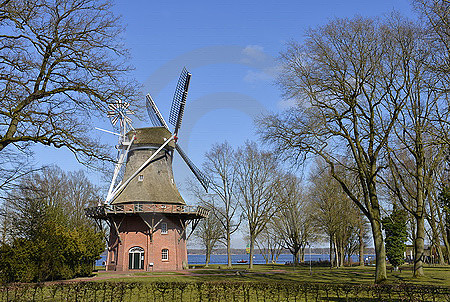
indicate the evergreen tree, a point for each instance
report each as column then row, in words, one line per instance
column 394, row 227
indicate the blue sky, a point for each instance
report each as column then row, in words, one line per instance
column 230, row 47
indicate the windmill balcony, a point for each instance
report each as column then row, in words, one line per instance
column 101, row 212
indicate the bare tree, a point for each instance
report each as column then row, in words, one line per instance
column 293, row 218
column 257, row 176
column 348, row 79
column 13, row 167
column 334, row 213
column 68, row 192
column 269, row 242
column 363, row 237
column 433, row 216
column 436, row 16
column 61, row 63
column 82, row 194
column 220, row 168
column 209, row 232
column 419, row 144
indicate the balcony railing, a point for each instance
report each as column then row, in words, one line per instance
column 132, row 208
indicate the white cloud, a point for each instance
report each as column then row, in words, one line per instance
column 253, row 53
column 264, row 67
column 267, row 74
column 257, row 76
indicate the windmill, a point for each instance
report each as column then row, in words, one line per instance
column 146, row 214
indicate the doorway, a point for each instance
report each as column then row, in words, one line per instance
column 136, row 258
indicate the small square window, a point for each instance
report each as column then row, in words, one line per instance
column 163, row 228
column 141, row 178
column 165, row 255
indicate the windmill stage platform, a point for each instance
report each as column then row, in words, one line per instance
column 184, row 211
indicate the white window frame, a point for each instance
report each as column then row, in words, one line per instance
column 165, row 254
column 163, row 228
column 141, row 177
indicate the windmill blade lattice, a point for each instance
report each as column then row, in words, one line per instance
column 179, row 100
column 118, row 111
column 200, row 176
column 154, row 113
column 175, row 117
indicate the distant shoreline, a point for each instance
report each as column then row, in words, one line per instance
column 203, row 254
column 314, row 251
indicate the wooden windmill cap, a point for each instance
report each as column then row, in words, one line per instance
column 155, row 183
column 151, row 136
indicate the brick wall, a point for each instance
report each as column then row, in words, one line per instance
column 134, row 232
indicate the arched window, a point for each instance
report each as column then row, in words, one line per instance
column 136, row 258
column 165, row 255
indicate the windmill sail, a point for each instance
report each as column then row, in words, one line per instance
column 175, row 117
column 154, row 114
column 179, row 100
column 200, row 176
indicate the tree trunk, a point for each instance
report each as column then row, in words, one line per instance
column 331, row 251
column 435, row 233
column 419, row 214
column 276, row 257
column 419, row 246
column 361, row 245
column 228, row 249
column 296, row 257
column 380, row 252
column 252, row 244
column 341, row 255
column 447, row 245
column 377, row 234
column 443, row 234
column 336, row 253
column 349, row 258
column 208, row 256
column 440, row 254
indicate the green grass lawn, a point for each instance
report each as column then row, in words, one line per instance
column 263, row 283
column 434, row 275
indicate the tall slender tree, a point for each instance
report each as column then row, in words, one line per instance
column 209, row 232
column 333, row 213
column 220, row 168
column 257, row 178
column 293, row 219
column 417, row 148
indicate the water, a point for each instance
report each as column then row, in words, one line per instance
column 258, row 258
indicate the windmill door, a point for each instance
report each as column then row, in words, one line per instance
column 136, row 258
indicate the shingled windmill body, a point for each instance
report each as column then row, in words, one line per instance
column 146, row 214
